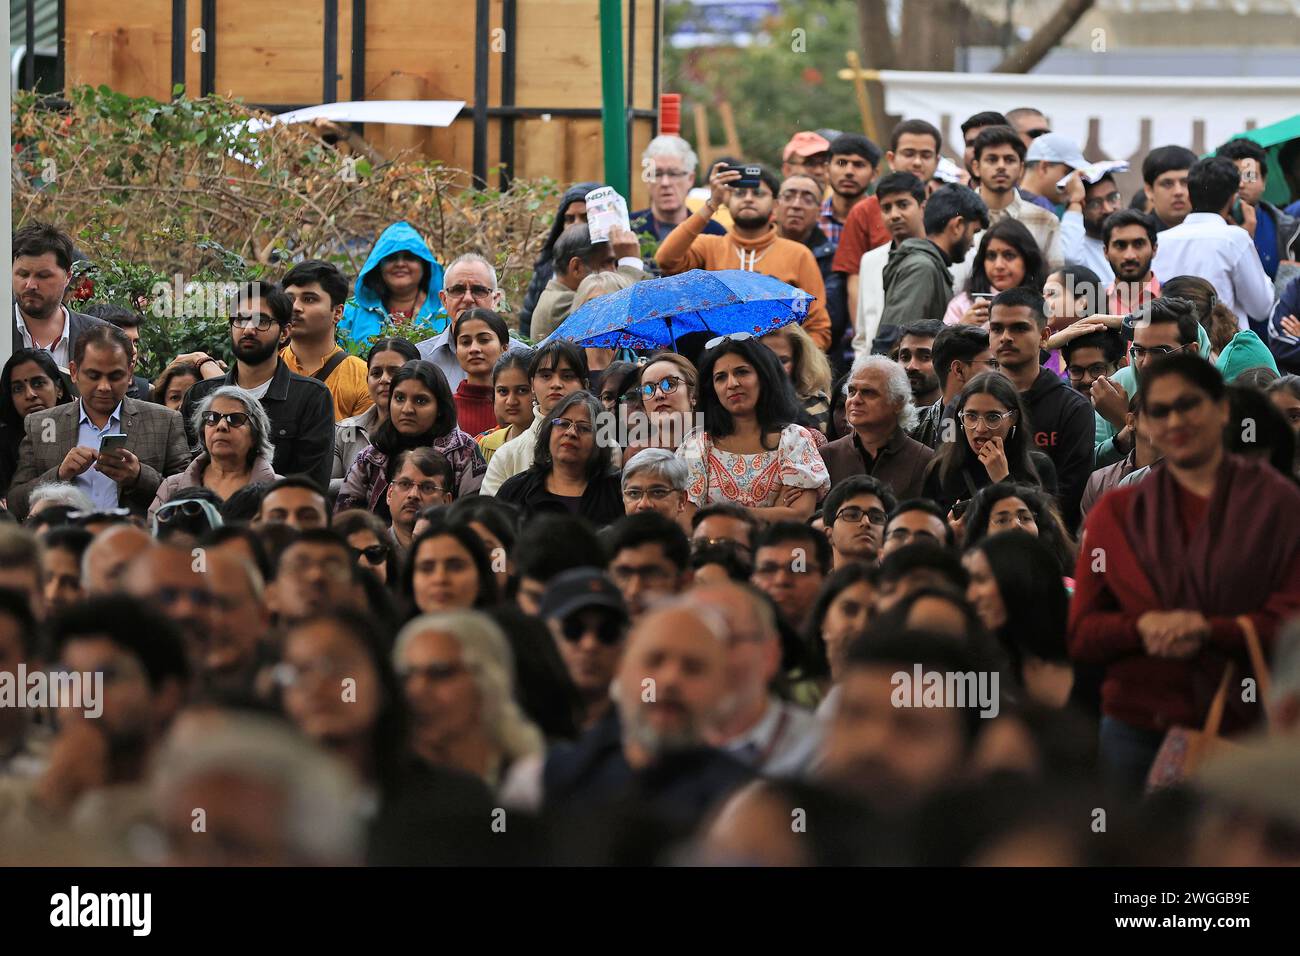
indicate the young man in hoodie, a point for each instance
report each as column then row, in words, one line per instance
column 1062, row 419
column 752, row 245
column 917, row 280
column 901, row 197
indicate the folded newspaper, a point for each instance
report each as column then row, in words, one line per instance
column 605, row 210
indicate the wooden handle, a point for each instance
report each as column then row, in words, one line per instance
column 1215, row 717
column 1258, row 662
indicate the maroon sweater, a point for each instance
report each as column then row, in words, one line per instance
column 1113, row 590
column 474, row 408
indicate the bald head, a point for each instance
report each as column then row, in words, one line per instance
column 746, row 614
column 108, row 555
column 670, row 680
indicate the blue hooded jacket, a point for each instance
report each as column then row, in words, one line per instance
column 1285, row 347
column 364, row 315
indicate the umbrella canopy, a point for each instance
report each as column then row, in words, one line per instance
column 654, row 313
column 1273, row 137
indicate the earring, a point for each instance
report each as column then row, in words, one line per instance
column 1012, row 433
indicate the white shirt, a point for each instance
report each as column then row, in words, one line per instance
column 782, row 744
column 260, row 391
column 1081, row 249
column 1205, row 245
column 58, row 349
column 871, row 297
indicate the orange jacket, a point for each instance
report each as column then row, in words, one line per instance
column 688, row 248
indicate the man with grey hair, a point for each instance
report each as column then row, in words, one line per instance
column 774, row 737
column 653, row 746
column 878, row 408
column 469, row 282
column 576, row 256
column 668, row 168
column 655, row 480
column 58, row 494
column 270, row 797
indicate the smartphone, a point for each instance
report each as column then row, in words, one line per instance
column 112, row 444
column 959, row 507
column 1238, row 215
column 988, row 296
column 750, row 176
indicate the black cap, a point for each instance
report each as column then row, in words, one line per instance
column 580, row 588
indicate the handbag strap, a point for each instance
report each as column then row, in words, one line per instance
column 1257, row 660
column 1215, row 717
column 326, row 370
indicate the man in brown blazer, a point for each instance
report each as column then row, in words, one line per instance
column 878, row 408
column 63, row 443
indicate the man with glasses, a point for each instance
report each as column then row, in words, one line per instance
column 791, row 561
column 913, row 521
column 116, row 449
column 649, row 559
column 856, row 512
column 878, row 408
column 469, row 282
column 668, row 169
column 752, row 245
column 808, row 154
column 725, row 523
column 655, row 480
column 1090, row 357
column 301, row 409
column 588, row 619
column 958, row 354
column 797, row 206
column 316, row 574
column 422, row 478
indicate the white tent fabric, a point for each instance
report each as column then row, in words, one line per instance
column 1119, row 103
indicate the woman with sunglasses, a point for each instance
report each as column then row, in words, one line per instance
column 234, row 447
column 1198, row 555
column 30, row 382
column 666, row 386
column 571, row 470
column 351, row 435
column 421, row 414
column 369, row 542
column 750, row 451
column 993, row 446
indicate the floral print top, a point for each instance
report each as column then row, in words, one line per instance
column 752, row 481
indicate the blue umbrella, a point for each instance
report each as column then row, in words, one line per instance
column 655, row 313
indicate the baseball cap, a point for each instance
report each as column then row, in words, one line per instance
column 1055, row 148
column 806, row 143
column 580, row 588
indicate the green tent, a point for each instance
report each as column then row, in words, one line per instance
column 1273, row 138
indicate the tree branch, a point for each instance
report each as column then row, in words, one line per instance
column 1028, row 55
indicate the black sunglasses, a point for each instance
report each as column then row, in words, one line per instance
column 375, row 554
column 609, row 633
column 236, row 419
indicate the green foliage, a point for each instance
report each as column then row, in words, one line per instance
column 774, row 91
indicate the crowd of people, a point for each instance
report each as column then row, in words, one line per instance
column 496, row 596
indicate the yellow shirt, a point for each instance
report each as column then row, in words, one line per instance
column 490, row 441
column 347, row 383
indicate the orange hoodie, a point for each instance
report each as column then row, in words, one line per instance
column 688, row 248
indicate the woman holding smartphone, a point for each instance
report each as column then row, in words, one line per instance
column 1007, row 257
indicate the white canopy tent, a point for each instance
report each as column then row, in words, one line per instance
column 1173, row 105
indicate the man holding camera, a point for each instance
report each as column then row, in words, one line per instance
column 749, row 193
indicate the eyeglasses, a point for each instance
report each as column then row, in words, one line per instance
column 1156, row 351
column 189, row 508
column 609, row 632
column 668, row 384
column 1097, row 202
column 402, row 256
column 730, row 337
column 288, row 675
column 991, row 363
column 406, row 485
column 1182, row 406
column 169, row 597
column 854, row 515
column 235, row 419
column 810, row 162
column 373, row 555
column 668, row 174
column 992, row 419
column 259, row 322
column 477, row 291
column 657, row 493
column 1096, row 370
column 700, row 543
column 565, row 424
column 433, row 673
column 800, row 196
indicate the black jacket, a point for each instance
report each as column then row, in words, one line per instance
column 962, row 485
column 1064, row 429
column 302, row 421
column 601, row 504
